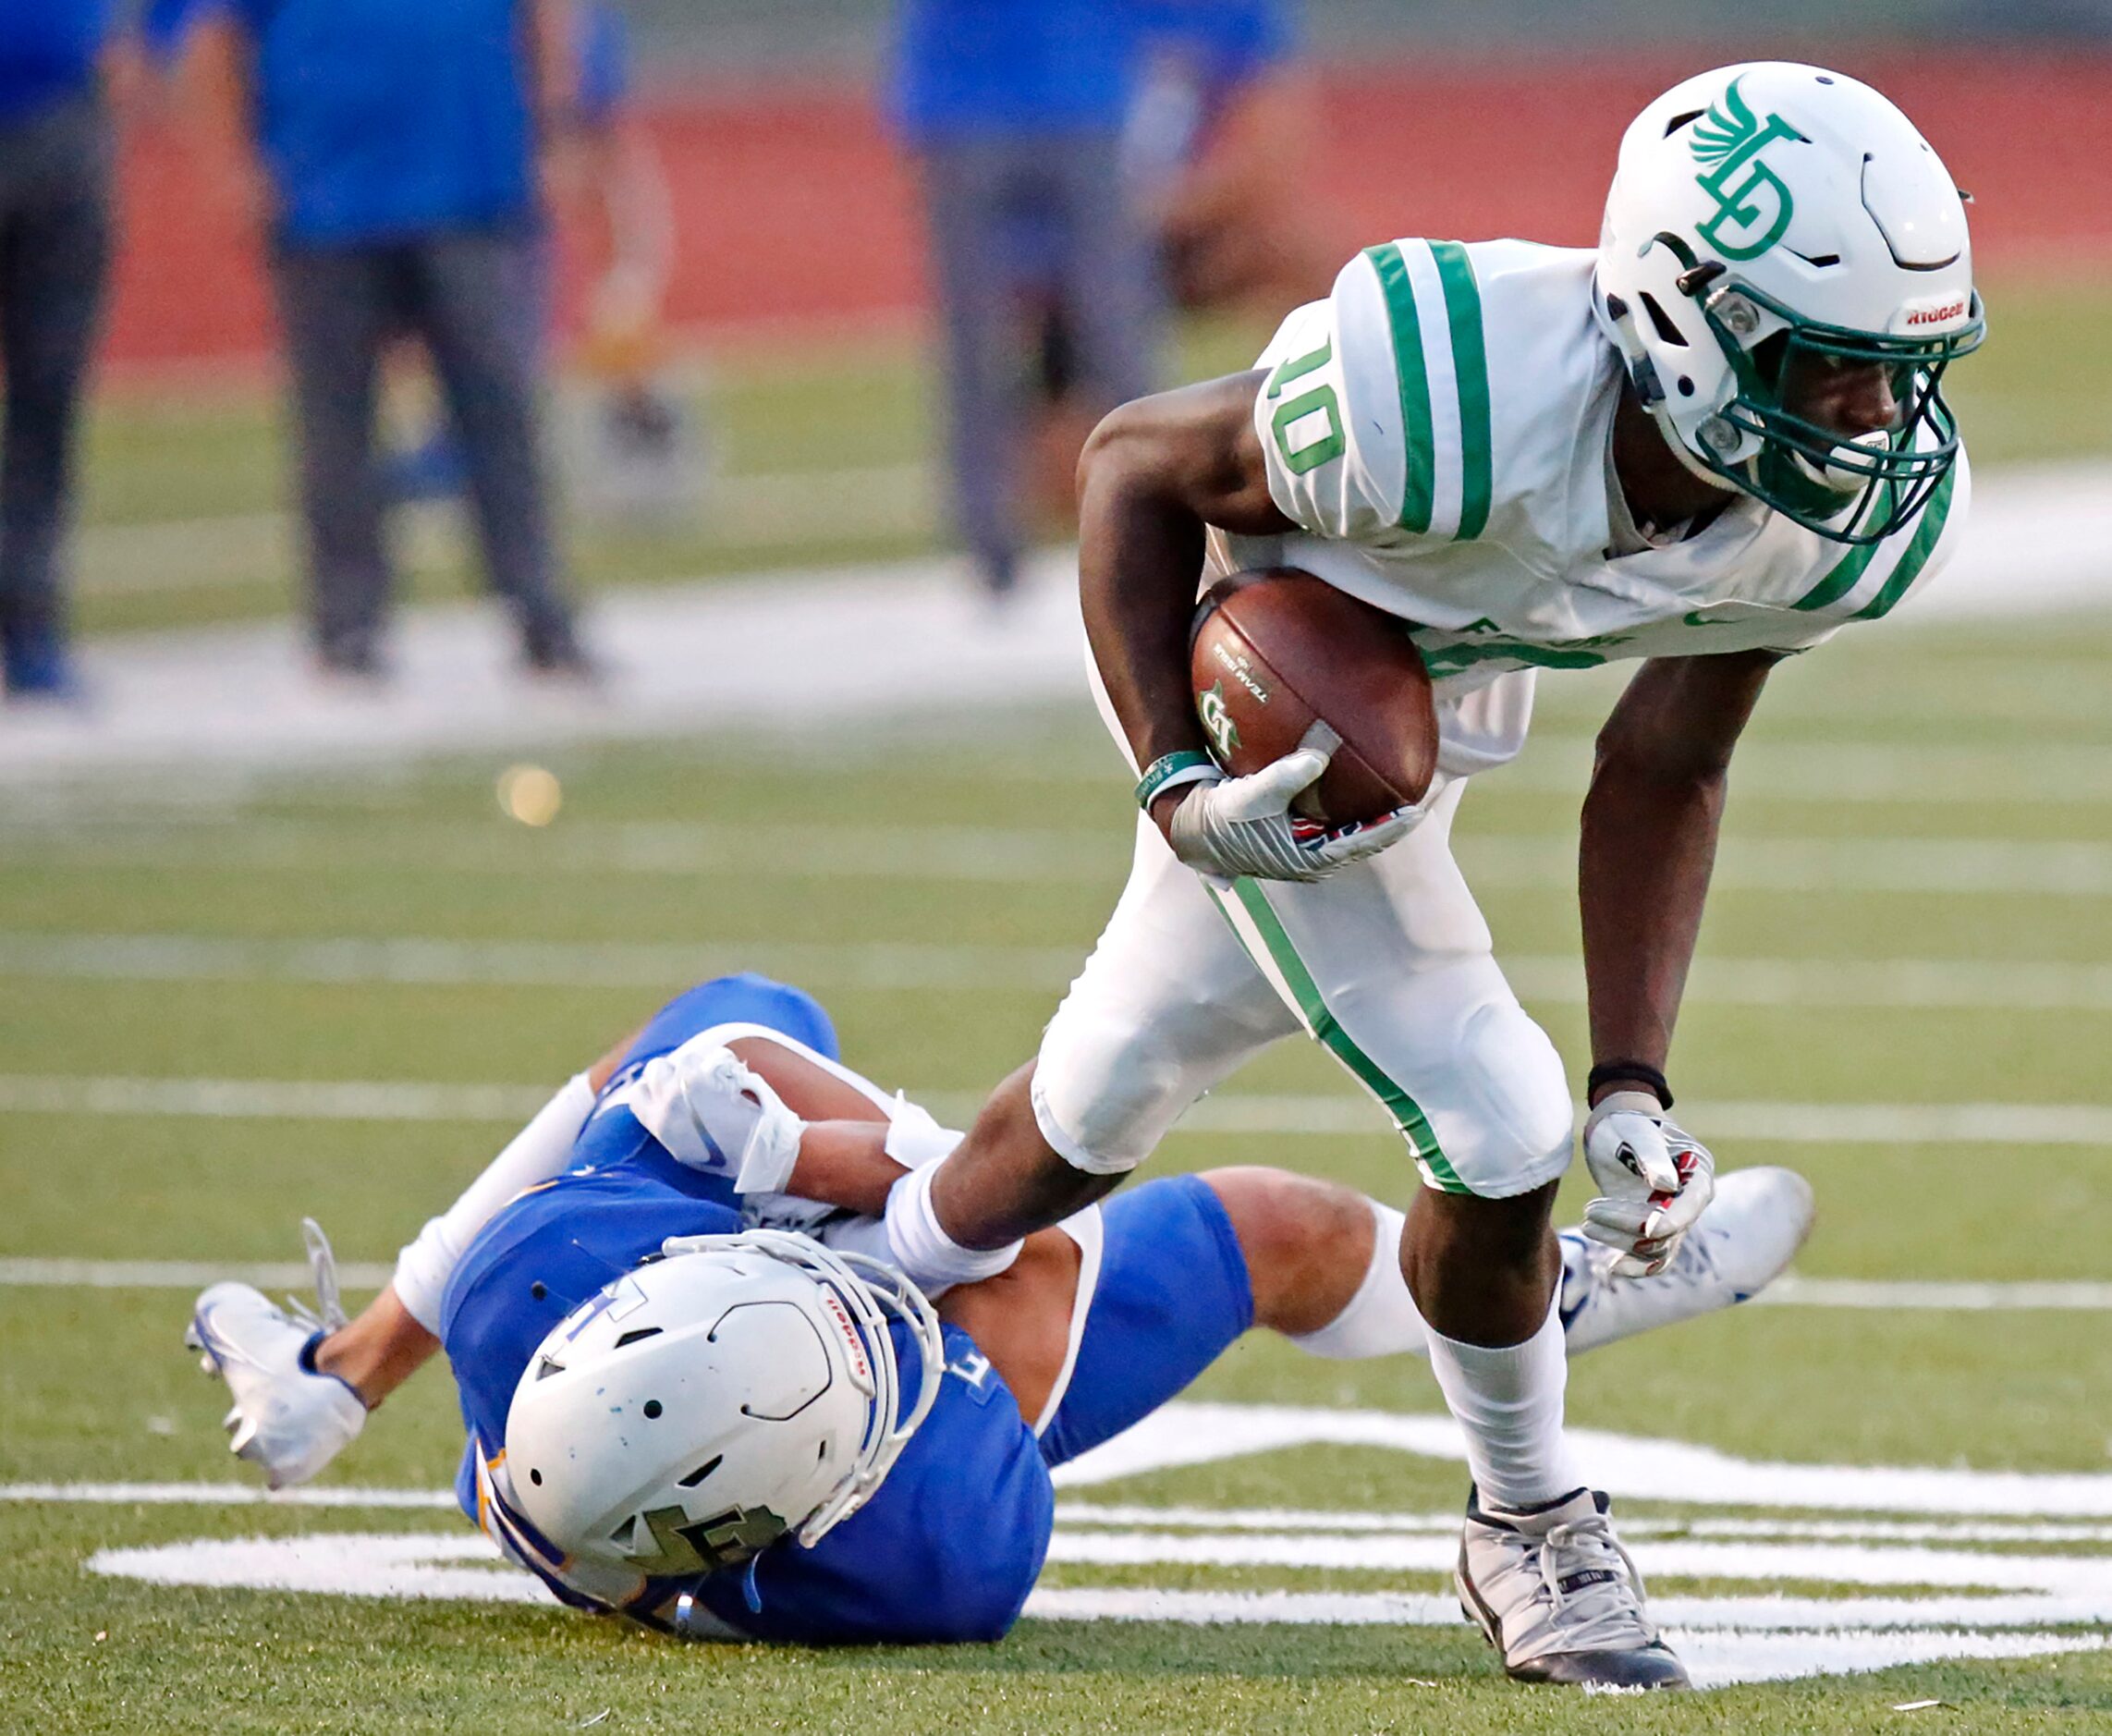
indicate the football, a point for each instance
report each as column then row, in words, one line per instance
column 1272, row 651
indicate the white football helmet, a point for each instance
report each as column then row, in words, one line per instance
column 1771, row 218
column 701, row 1407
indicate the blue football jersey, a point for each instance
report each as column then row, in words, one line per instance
column 946, row 1549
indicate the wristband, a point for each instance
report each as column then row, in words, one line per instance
column 1640, row 1072
column 1170, row 771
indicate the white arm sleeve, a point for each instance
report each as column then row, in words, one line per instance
column 541, row 1150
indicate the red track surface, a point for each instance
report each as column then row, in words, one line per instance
column 797, row 208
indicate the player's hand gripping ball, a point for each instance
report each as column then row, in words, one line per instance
column 1274, row 652
column 1313, row 786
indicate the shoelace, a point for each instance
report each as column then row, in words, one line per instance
column 1606, row 1614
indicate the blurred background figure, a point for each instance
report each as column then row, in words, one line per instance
column 398, row 142
column 1015, row 114
column 634, row 450
column 55, row 250
column 1218, row 156
column 1222, row 144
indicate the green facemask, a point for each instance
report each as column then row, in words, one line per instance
column 1855, row 491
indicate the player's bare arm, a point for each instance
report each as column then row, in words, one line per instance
column 842, row 1161
column 1154, row 476
column 1649, row 839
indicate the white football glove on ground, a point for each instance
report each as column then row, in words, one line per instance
column 1230, row 827
column 286, row 1419
column 1654, row 1180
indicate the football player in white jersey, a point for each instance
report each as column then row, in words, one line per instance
column 1707, row 444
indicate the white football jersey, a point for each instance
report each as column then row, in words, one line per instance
column 1439, row 427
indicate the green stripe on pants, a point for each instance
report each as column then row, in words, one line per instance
column 1407, row 1113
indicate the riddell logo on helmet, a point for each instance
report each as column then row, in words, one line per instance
column 861, row 1369
column 1937, row 316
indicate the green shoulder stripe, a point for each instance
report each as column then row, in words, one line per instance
column 1419, row 493
column 1471, row 368
column 1840, row 579
column 1847, row 572
column 1927, row 534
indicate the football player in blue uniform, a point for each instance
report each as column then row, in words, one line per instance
column 710, row 1381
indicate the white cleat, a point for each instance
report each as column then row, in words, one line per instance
column 287, row 1419
column 1742, row 1243
column 1555, row 1593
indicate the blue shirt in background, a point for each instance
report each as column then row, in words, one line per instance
column 986, row 69
column 48, row 52
column 1223, row 43
column 604, row 48
column 380, row 120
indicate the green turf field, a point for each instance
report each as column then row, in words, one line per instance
column 1934, row 796
column 819, row 452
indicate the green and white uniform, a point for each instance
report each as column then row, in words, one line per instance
column 1439, row 429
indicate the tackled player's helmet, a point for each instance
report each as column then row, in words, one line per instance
column 1766, row 220
column 691, row 1414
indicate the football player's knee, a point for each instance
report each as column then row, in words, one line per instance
column 1106, row 1093
column 1284, row 1219
column 1520, row 1124
column 1297, row 1234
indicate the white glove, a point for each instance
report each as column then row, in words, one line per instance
column 285, row 1418
column 714, row 1113
column 1230, row 827
column 1654, row 1180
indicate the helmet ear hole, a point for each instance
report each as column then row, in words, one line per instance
column 1666, row 332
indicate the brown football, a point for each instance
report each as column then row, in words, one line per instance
column 1272, row 651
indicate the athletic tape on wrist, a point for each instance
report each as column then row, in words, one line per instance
column 930, row 1258
column 1170, row 771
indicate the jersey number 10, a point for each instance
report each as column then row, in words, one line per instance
column 1305, row 444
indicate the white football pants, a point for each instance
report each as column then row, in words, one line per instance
column 1386, row 963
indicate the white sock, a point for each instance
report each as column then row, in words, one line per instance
column 1509, row 1403
column 1381, row 1318
column 541, row 1150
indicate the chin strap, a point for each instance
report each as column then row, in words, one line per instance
column 1649, row 392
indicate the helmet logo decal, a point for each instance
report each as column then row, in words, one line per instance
column 1754, row 206
column 671, row 1543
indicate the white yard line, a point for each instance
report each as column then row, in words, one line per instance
column 1085, row 1515
column 847, row 852
column 1877, row 1295
column 659, row 966
column 1842, row 770
column 2004, row 1124
column 179, row 1275
column 1887, row 866
column 1323, row 1519
column 268, row 1099
column 411, row 960
column 1721, row 1640
column 1868, row 1294
column 221, row 1494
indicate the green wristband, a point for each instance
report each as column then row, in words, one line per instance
column 1171, row 770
